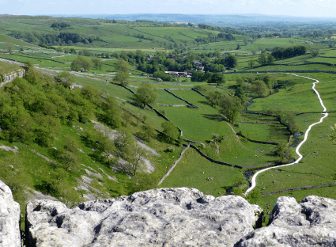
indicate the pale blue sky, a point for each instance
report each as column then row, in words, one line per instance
column 313, row 8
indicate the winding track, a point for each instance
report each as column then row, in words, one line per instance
column 254, row 183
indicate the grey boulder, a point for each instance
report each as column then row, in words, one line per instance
column 9, row 218
column 158, row 217
column 310, row 223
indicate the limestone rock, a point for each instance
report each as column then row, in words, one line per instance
column 310, row 223
column 170, row 217
column 9, row 218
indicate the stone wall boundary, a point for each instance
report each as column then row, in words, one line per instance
column 297, row 189
column 190, row 104
column 197, row 91
column 174, row 165
column 214, row 161
column 256, row 141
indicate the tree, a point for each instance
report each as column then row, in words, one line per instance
column 10, row 49
column 231, row 108
column 149, row 132
column 251, row 63
column 68, row 159
column 254, row 196
column 239, row 92
column 260, row 88
column 146, row 94
column 315, row 52
column 122, row 76
column 111, row 115
column 97, row 64
column 65, row 78
column 170, row 131
column 217, row 78
column 238, row 47
column 262, row 58
column 270, row 59
column 73, row 51
column 285, row 153
column 81, row 64
column 215, row 98
column 70, row 144
column 230, row 61
column 130, row 151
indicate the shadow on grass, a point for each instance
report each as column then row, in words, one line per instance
column 215, row 117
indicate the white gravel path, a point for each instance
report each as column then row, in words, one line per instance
column 325, row 114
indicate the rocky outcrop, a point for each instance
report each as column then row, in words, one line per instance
column 4, row 79
column 9, row 218
column 310, row 223
column 158, row 217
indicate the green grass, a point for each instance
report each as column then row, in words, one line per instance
column 189, row 173
column 168, row 99
column 264, row 43
column 7, row 39
column 6, row 68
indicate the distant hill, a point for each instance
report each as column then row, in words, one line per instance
column 222, row 20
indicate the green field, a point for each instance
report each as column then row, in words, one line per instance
column 193, row 170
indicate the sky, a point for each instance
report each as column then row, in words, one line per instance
column 303, row 8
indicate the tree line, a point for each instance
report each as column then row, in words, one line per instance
column 55, row 38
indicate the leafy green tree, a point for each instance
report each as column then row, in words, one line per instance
column 215, row 98
column 170, row 131
column 148, row 132
column 68, row 159
column 122, row 76
column 285, row 153
column 73, row 51
column 97, row 63
column 130, row 151
column 240, row 82
column 146, row 94
column 9, row 48
column 217, row 78
column 111, row 115
column 262, row 60
column 268, row 81
column 270, row 59
column 230, row 61
column 70, row 144
column 251, row 63
column 254, row 196
column 260, row 89
column 65, row 78
column 81, row 64
column 231, row 108
column 239, row 92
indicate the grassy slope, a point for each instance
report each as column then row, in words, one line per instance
column 193, row 171
column 6, row 68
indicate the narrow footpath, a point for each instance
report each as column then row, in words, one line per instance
column 297, row 150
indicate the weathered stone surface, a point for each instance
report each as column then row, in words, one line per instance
column 170, row 217
column 9, row 218
column 310, row 223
